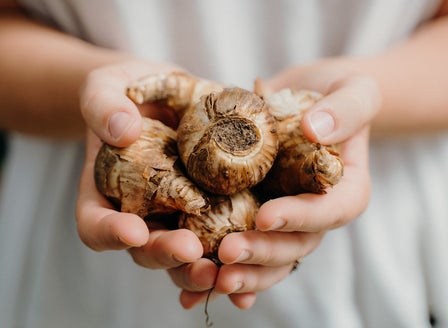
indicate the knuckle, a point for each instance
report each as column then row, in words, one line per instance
column 141, row 258
column 264, row 252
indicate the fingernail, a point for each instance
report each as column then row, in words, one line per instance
column 119, row 124
column 322, row 123
column 174, row 257
column 238, row 286
column 280, row 223
column 245, row 255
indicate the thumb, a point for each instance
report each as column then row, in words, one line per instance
column 112, row 116
column 348, row 105
column 351, row 98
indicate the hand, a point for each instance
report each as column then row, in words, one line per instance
column 289, row 228
column 115, row 119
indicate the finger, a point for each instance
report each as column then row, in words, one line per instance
column 244, row 301
column 314, row 212
column 351, row 99
column 167, row 249
column 243, row 278
column 113, row 231
column 106, row 108
column 350, row 104
column 195, row 277
column 270, row 248
column 190, row 299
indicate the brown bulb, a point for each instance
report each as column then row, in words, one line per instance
column 301, row 166
column 226, row 214
column 146, row 178
column 228, row 141
column 178, row 90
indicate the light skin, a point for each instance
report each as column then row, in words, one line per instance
column 70, row 84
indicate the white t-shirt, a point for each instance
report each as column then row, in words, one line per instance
column 386, row 269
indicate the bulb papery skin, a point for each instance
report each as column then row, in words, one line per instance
column 178, row 90
column 146, row 177
column 226, row 214
column 228, row 141
column 301, row 166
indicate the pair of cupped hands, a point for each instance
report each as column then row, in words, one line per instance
column 288, row 228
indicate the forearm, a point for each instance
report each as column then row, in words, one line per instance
column 413, row 78
column 42, row 71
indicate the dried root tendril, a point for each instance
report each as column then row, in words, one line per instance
column 208, row 322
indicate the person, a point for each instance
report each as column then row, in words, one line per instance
column 382, row 68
